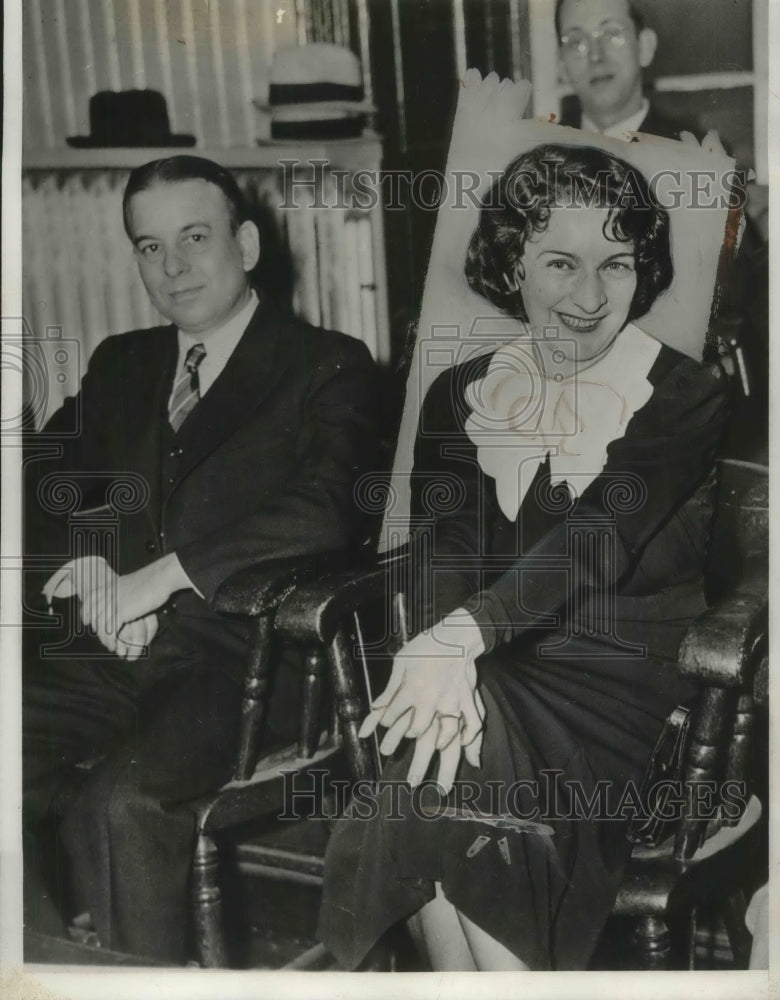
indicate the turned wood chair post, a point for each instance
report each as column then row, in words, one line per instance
column 312, row 697
column 690, row 938
column 207, row 903
column 349, row 705
column 740, row 747
column 653, row 943
column 205, row 891
column 710, row 724
column 334, row 732
column 254, row 705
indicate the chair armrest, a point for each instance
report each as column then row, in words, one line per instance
column 313, row 612
column 260, row 589
column 257, row 592
column 717, row 648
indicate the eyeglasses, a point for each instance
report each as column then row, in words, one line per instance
column 579, row 43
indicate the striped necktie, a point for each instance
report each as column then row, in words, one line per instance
column 186, row 392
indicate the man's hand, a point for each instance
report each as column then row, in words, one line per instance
column 120, row 610
column 138, row 595
column 134, row 637
column 78, row 578
column 432, row 698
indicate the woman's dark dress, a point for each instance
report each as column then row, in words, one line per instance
column 589, row 709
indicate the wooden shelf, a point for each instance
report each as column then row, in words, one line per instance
column 361, row 153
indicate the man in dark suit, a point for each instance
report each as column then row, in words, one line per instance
column 240, row 432
column 605, row 47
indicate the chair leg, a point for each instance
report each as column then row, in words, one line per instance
column 254, row 705
column 653, row 943
column 739, row 751
column 740, row 939
column 334, row 732
column 349, row 706
column 207, row 903
column 312, row 696
column 690, row 939
column 712, row 717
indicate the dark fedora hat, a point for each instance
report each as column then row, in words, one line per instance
column 129, row 118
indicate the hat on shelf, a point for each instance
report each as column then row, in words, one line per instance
column 316, row 92
column 128, row 118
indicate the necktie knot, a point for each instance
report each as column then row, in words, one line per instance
column 186, row 392
column 194, row 357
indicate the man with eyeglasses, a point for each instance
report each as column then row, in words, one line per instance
column 604, row 48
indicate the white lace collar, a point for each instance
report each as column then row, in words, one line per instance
column 520, row 416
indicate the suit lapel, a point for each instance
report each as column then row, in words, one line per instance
column 252, row 370
column 149, row 373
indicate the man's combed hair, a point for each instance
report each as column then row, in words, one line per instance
column 634, row 13
column 517, row 207
column 185, row 168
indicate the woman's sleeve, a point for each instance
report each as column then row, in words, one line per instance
column 668, row 450
column 448, row 506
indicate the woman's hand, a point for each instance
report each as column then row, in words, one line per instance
column 432, row 698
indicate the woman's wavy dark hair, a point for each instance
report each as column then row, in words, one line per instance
column 518, row 206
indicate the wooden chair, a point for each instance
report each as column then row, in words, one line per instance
column 724, row 653
column 257, row 788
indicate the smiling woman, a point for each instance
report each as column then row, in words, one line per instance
column 571, row 242
column 550, row 600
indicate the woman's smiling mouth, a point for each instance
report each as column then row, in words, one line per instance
column 578, row 323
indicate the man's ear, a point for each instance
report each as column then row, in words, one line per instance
column 249, row 240
column 648, row 43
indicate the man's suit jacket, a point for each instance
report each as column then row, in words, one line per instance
column 264, row 466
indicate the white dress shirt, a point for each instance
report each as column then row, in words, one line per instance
column 219, row 344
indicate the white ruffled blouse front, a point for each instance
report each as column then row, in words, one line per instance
column 520, row 415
